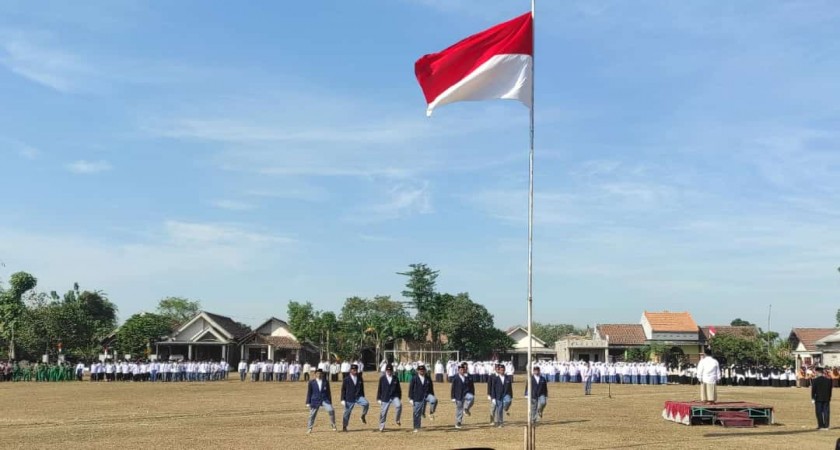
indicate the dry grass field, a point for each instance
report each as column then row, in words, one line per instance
column 231, row 414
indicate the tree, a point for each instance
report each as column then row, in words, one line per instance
column 178, row 310
column 374, row 323
column 304, row 321
column 731, row 349
column 740, row 323
column 837, row 318
column 140, row 331
column 551, row 333
column 12, row 307
column 78, row 321
column 638, row 354
column 420, row 290
column 90, row 318
column 469, row 327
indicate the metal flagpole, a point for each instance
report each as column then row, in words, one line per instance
column 530, row 443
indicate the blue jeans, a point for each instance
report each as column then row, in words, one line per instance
column 313, row 413
column 587, row 386
column 461, row 406
column 348, row 408
column 383, row 412
column 537, row 407
column 419, row 409
column 823, row 410
column 499, row 409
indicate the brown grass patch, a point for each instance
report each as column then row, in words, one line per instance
column 272, row 415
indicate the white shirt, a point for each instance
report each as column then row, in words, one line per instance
column 708, row 370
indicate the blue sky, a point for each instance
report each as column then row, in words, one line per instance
column 248, row 153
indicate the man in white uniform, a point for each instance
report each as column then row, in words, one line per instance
column 708, row 373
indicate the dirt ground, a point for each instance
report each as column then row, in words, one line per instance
column 248, row 415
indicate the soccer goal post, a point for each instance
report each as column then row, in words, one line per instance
column 424, row 356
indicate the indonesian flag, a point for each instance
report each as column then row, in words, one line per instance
column 712, row 331
column 495, row 63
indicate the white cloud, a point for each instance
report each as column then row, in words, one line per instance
column 37, row 57
column 292, row 191
column 401, row 200
column 51, row 67
column 29, row 152
column 233, row 205
column 375, row 238
column 21, row 148
column 151, row 262
column 191, row 233
column 88, row 167
column 484, row 9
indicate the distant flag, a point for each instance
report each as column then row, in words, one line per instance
column 496, row 63
column 712, row 331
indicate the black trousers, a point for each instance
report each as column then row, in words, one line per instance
column 823, row 410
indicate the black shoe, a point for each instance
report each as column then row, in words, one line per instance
column 344, row 429
column 363, row 419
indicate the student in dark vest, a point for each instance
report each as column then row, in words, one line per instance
column 388, row 394
column 501, row 394
column 421, row 391
column 821, row 398
column 318, row 396
column 353, row 393
column 540, row 397
column 463, row 394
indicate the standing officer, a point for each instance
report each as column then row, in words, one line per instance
column 821, row 398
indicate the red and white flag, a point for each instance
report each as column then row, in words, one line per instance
column 712, row 331
column 495, row 63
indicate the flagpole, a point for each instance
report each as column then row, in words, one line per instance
column 530, row 443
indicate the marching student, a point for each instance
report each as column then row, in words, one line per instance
column 540, row 397
column 463, row 394
column 318, row 395
column 501, row 395
column 352, row 393
column 389, row 393
column 421, row 391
